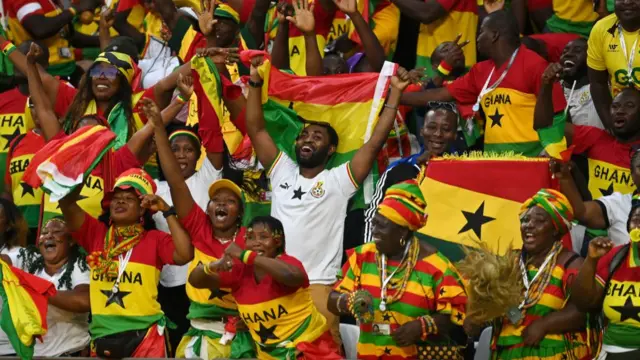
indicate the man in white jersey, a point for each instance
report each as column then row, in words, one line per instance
column 310, row 201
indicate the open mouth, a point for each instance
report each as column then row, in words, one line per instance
column 528, row 238
column 568, row 65
column 619, row 122
column 50, row 245
column 221, row 214
column 306, row 150
column 183, row 166
column 102, row 87
column 436, row 144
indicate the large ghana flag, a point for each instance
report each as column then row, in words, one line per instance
column 24, row 313
column 477, row 197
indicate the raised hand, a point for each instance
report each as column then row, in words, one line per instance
column 560, row 170
column 34, row 52
column 416, row 76
column 284, row 9
column 303, row 18
column 205, row 17
column 152, row 112
column 154, row 203
column 453, row 54
column 401, row 79
column 107, row 19
column 220, row 55
column 256, row 61
column 347, row 6
column 599, row 247
column 493, row 5
column 552, row 73
column 185, row 86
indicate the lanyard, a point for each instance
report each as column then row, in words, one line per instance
column 384, row 280
column 485, row 90
column 525, row 275
column 121, row 267
column 629, row 58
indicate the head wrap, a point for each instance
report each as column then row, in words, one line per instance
column 227, row 12
column 404, row 205
column 121, row 61
column 353, row 61
column 555, row 204
column 134, row 178
column 184, row 132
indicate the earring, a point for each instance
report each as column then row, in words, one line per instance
column 403, row 242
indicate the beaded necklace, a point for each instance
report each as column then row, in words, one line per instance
column 407, row 265
column 534, row 289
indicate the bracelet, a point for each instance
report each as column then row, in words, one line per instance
column 8, row 47
column 444, row 69
column 72, row 10
column 248, row 257
column 206, row 269
column 170, row 212
column 254, row 84
column 340, row 310
column 181, row 99
column 391, row 107
column 423, row 325
column 430, row 324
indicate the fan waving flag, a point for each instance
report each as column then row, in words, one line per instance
column 64, row 163
column 350, row 103
column 467, row 203
column 24, row 310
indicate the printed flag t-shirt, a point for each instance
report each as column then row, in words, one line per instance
column 621, row 305
column 461, row 18
column 273, row 312
column 204, row 302
column 606, row 53
column 15, row 120
column 509, row 108
column 134, row 306
column 433, row 288
column 609, row 161
column 575, row 16
column 26, row 198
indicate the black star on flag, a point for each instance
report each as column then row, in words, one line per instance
column 218, row 293
column 297, row 194
column 266, row 333
column 475, row 220
column 387, row 351
column 116, row 297
column 495, row 119
column 628, row 310
column 386, row 317
column 441, row 291
column 459, row 316
column 10, row 138
column 26, row 189
column 607, row 191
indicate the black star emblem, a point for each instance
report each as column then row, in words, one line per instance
column 607, row 191
column 26, row 189
column 10, row 138
column 297, row 194
column 441, row 291
column 628, row 311
column 495, row 119
column 387, row 351
column 218, row 293
column 266, row 333
column 475, row 220
column 386, row 317
column 115, row 297
column 459, row 316
column 291, row 105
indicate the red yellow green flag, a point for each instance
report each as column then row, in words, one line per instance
column 24, row 311
column 477, row 197
column 64, row 163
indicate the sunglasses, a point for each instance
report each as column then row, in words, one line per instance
column 435, row 105
column 110, row 73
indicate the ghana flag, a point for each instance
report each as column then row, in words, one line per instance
column 24, row 310
column 477, row 197
column 349, row 103
column 64, row 163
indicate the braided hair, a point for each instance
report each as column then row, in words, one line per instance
column 33, row 261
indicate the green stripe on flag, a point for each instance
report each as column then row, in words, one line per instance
column 6, row 324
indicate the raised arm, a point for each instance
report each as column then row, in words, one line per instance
column 304, row 20
column 42, row 27
column 72, row 212
column 426, row 12
column 372, row 48
column 122, row 25
column 363, row 159
column 280, row 51
column 181, row 239
column 543, row 112
column 586, row 293
column 257, row 19
column 75, row 300
column 421, row 98
column 107, row 19
column 266, row 149
column 46, row 115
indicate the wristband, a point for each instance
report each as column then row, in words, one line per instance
column 8, row 47
column 254, row 84
column 170, row 212
column 72, row 10
column 444, row 68
column 181, row 99
column 206, row 269
column 248, row 257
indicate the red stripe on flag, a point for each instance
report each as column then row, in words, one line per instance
column 39, row 290
column 481, row 176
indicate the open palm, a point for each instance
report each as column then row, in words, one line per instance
column 303, row 17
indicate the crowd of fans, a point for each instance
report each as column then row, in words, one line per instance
column 159, row 254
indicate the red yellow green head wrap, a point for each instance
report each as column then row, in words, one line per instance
column 121, row 61
column 134, row 178
column 227, row 12
column 555, row 204
column 404, row 204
